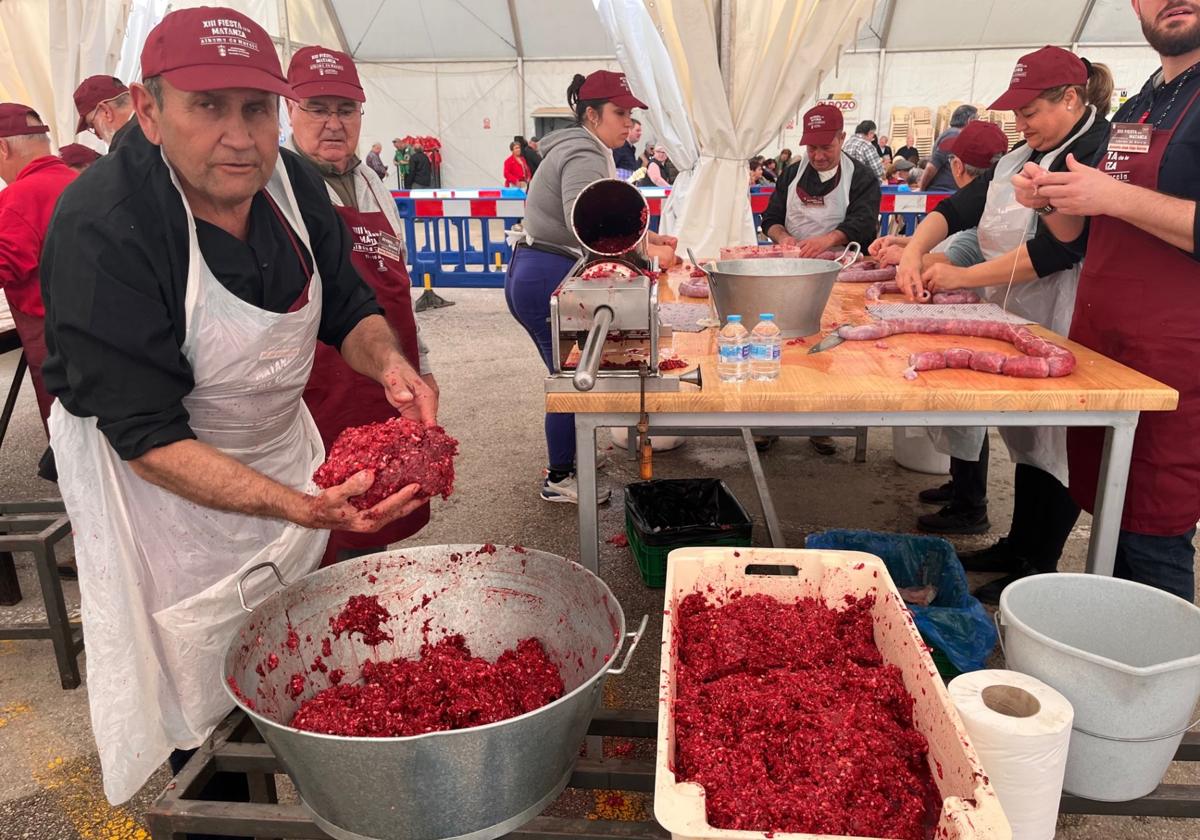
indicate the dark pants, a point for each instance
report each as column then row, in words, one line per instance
column 531, row 279
column 223, row 787
column 1165, row 563
column 1043, row 515
column 968, row 481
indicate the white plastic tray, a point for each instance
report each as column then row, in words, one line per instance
column 970, row 809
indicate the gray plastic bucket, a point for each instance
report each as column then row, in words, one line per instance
column 1126, row 655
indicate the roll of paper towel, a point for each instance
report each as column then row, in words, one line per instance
column 1021, row 728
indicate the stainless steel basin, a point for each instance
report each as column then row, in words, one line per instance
column 472, row 784
column 795, row 290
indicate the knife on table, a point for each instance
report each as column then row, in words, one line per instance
column 830, row 341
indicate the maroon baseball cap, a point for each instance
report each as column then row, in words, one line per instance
column 91, row 92
column 1039, row 71
column 610, row 87
column 978, row 144
column 319, row 71
column 209, row 48
column 77, row 154
column 822, row 124
column 14, row 120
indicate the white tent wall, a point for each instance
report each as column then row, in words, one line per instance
column 546, row 82
column 451, row 101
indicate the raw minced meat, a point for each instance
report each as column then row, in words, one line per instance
column 400, row 452
column 445, row 688
column 789, row 718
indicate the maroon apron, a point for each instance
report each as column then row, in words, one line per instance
column 32, row 330
column 1133, row 306
column 340, row 397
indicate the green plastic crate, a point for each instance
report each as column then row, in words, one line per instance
column 650, row 549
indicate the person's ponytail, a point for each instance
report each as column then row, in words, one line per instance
column 573, row 101
column 1099, row 89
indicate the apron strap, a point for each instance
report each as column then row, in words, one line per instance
column 302, row 300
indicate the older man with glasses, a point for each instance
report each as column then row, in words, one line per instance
column 105, row 108
column 326, row 123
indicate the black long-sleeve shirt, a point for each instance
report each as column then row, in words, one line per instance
column 114, row 275
column 964, row 209
column 861, row 222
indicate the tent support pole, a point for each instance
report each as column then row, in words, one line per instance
column 521, row 96
column 725, row 44
column 520, row 45
column 879, row 89
column 1079, row 26
column 285, row 29
column 337, row 27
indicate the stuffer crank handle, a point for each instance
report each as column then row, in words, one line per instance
column 593, row 347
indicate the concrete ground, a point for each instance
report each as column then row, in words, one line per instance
column 492, row 400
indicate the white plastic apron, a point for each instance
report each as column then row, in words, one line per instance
column 157, row 573
column 1048, row 301
column 804, row 221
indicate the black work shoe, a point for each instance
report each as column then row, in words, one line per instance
column 823, row 445
column 1002, row 556
column 952, row 520
column 989, row 593
column 764, row 442
column 937, row 495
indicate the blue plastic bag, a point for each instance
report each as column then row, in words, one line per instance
column 956, row 622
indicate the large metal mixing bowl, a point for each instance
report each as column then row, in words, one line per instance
column 471, row 784
column 795, row 290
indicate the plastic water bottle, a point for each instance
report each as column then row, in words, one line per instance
column 733, row 350
column 764, row 349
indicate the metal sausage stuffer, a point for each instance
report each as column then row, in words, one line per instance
column 607, row 303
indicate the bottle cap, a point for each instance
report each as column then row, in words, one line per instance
column 767, row 316
column 734, row 319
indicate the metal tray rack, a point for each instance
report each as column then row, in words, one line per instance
column 235, row 747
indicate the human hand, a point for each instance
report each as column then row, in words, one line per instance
column 943, row 276
column 409, row 392
column 890, row 256
column 908, row 275
column 665, row 253
column 883, row 243
column 331, row 509
column 814, row 245
column 1025, row 187
column 1080, row 191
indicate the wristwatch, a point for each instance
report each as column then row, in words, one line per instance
column 1044, row 211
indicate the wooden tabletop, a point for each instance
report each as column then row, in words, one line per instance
column 861, row 376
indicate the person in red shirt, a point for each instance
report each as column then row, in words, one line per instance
column 516, row 169
column 35, row 180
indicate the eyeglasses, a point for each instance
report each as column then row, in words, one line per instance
column 344, row 114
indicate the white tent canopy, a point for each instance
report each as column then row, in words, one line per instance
column 472, row 72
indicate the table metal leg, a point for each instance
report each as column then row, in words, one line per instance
column 860, row 446
column 585, row 474
column 10, row 401
column 56, row 617
column 1110, row 496
column 764, row 493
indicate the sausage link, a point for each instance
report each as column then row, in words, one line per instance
column 1039, row 358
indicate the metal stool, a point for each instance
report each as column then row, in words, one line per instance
column 36, row 527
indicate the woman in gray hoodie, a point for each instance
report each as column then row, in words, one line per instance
column 572, row 158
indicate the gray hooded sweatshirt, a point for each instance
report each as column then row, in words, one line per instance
column 571, row 159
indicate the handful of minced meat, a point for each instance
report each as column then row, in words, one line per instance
column 400, row 452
